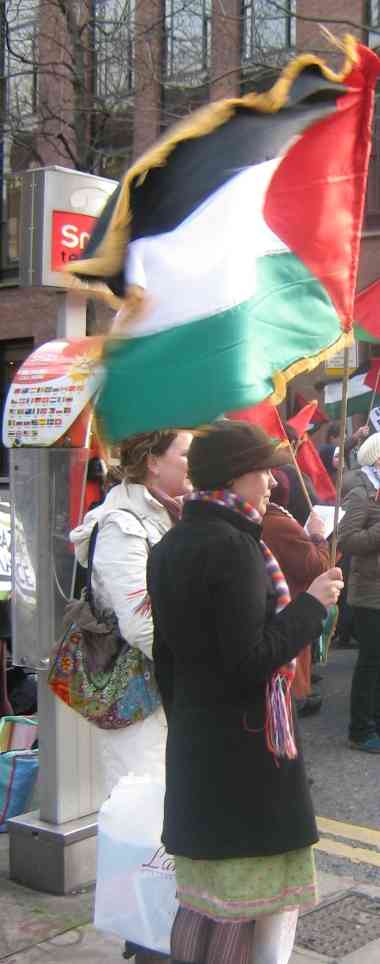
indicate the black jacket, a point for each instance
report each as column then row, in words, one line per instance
column 216, row 644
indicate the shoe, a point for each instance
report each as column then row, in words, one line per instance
column 141, row 955
column 308, row 706
column 370, row 745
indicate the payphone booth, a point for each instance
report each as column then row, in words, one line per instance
column 47, row 427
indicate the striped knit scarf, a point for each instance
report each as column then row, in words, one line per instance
column 279, row 729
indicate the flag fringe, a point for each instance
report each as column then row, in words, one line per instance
column 302, row 365
column 110, row 255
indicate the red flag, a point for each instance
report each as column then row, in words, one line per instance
column 311, row 464
column 308, row 458
column 372, row 377
column 318, row 418
column 301, row 422
column 367, row 313
column 265, row 415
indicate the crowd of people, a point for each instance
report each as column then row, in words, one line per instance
column 215, row 580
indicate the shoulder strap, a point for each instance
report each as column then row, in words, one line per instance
column 91, row 553
column 90, row 562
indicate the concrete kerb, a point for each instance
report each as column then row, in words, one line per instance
column 32, row 925
column 332, row 886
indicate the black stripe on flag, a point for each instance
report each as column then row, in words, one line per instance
column 200, row 165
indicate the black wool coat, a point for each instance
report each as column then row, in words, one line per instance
column 217, row 642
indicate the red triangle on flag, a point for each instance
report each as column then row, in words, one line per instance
column 372, row 378
column 367, row 310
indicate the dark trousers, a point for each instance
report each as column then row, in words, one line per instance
column 344, row 626
column 365, row 689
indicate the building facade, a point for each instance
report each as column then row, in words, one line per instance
column 92, row 90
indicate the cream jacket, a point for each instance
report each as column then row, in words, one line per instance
column 121, row 552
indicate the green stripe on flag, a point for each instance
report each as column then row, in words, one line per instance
column 198, row 370
column 358, row 405
column 362, row 335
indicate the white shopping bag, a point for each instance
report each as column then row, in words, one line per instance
column 135, row 884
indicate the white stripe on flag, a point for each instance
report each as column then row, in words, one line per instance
column 356, row 386
column 208, row 263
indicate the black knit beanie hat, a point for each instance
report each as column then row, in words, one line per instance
column 227, row 449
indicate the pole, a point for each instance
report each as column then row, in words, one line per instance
column 300, row 476
column 54, row 849
column 70, row 788
column 339, row 476
column 374, row 393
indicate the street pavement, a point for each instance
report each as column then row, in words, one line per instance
column 344, row 929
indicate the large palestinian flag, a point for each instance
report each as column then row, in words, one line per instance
column 240, row 231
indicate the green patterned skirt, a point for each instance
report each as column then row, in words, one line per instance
column 241, row 889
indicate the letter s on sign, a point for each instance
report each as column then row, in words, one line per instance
column 70, row 236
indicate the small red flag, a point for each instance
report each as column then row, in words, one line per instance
column 301, row 422
column 319, row 417
column 265, row 415
column 372, row 377
column 311, row 464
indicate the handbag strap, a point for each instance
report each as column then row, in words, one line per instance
column 91, row 553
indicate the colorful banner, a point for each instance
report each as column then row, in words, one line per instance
column 50, row 390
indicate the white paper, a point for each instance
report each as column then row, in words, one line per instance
column 326, row 513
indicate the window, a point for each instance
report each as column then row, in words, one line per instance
column 372, row 215
column 266, row 27
column 12, row 355
column 10, row 235
column 20, row 58
column 187, row 31
column 374, row 22
column 113, row 36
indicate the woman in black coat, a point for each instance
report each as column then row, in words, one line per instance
column 238, row 815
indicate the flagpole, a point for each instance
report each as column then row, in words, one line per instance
column 300, row 476
column 374, row 393
column 339, row 475
column 295, row 464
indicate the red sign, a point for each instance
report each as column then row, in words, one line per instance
column 70, row 233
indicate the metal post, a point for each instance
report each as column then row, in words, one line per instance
column 54, row 849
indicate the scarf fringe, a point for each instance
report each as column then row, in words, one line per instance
column 279, row 725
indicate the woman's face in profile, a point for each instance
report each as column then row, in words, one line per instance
column 255, row 488
column 171, row 467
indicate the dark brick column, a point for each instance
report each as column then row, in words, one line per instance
column 225, row 49
column 149, row 45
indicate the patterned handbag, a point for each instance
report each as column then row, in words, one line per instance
column 94, row 670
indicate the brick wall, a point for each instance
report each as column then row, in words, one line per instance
column 29, row 312
column 25, row 313
column 225, row 49
column 148, row 60
column 347, row 13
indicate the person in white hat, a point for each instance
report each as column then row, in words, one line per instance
column 359, row 537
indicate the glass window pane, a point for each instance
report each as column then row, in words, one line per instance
column 20, row 57
column 266, row 28
column 374, row 21
column 114, row 49
column 13, row 200
column 187, row 27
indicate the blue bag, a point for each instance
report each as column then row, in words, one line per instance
column 18, row 775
